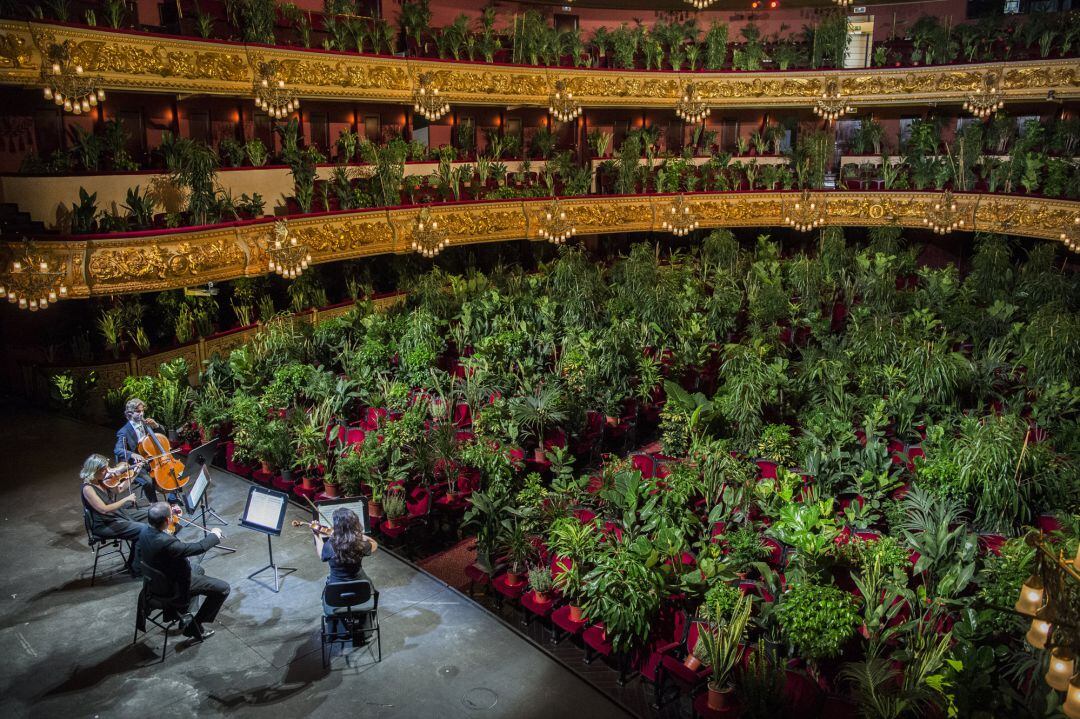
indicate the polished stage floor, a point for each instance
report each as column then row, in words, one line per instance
column 66, row 650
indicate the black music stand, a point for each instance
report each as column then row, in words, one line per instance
column 264, row 512
column 202, row 456
column 195, row 498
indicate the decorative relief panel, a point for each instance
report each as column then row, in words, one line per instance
column 178, row 259
column 141, row 61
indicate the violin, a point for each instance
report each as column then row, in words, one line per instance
column 315, row 527
column 122, row 472
column 164, row 467
column 174, row 519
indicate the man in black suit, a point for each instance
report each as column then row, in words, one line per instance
column 127, row 443
column 167, row 554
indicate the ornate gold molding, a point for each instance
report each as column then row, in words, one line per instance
column 151, row 262
column 146, row 62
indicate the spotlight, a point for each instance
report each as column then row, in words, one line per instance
column 773, row 5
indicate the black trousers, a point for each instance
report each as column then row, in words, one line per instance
column 145, row 481
column 215, row 592
column 128, row 527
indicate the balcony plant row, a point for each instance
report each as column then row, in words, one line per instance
column 529, row 39
column 973, row 161
column 840, row 437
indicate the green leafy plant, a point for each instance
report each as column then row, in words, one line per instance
column 817, row 620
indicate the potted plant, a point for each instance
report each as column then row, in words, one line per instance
column 569, row 582
column 538, row 412
column 517, row 549
column 745, row 547
column 717, row 606
column 722, row 649
column 275, row 448
column 210, row 411
column 394, row 506
column 313, row 449
column 541, row 583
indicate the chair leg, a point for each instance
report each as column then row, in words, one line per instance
column 93, row 574
column 588, row 654
column 378, row 639
column 658, row 687
column 165, row 642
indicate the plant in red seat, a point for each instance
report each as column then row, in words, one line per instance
column 575, row 542
column 723, row 651
column 537, row 413
column 313, row 452
column 540, row 582
column 394, row 507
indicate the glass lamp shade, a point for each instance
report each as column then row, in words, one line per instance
column 1039, row 631
column 1062, row 665
column 1071, row 707
column 1031, row 596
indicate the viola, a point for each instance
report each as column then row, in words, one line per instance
column 315, row 526
column 122, row 472
column 176, row 513
column 164, row 467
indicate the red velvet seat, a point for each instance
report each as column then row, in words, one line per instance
column 262, row 477
column 500, row 583
column 418, row 503
column 476, row 575
column 535, row 607
column 674, row 670
column 309, row 492
column 561, row 619
column 282, row 485
column 401, row 526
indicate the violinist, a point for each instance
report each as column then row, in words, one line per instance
column 344, row 550
column 127, row 443
column 109, row 517
column 164, row 552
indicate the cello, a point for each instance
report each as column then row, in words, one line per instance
column 163, row 466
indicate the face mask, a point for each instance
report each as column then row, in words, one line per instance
column 137, row 416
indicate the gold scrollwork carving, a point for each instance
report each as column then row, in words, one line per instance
column 13, row 51
column 185, row 260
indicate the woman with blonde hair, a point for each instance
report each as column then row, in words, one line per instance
column 108, row 517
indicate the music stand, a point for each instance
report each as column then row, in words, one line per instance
column 264, row 512
column 202, row 456
column 357, row 504
column 195, row 497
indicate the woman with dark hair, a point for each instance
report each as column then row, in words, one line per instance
column 345, row 548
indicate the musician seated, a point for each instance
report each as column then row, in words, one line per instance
column 108, row 517
column 344, row 552
column 127, row 443
column 164, row 552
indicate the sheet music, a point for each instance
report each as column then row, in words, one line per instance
column 264, row 510
column 202, row 481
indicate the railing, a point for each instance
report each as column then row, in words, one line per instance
column 160, row 63
column 154, row 260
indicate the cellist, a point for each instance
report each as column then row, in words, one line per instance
column 127, row 443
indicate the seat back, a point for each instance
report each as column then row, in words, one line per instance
column 353, row 593
column 88, row 523
column 161, row 593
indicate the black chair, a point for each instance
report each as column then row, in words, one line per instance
column 97, row 544
column 160, row 604
column 354, row 603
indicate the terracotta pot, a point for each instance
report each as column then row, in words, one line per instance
column 575, row 613
column 691, row 662
column 330, row 490
column 541, row 597
column 513, row 579
column 374, row 509
column 308, row 482
column 538, row 454
column 391, row 523
column 721, row 699
column 264, row 467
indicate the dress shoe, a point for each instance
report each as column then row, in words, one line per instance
column 197, row 631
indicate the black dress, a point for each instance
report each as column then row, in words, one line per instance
column 121, row 524
column 342, row 571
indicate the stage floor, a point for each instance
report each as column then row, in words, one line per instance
column 65, row 647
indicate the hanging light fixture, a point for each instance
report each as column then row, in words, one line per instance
column 1070, row 235
column 66, row 84
column 679, row 219
column 986, row 99
column 1032, row 596
column 32, row 283
column 944, row 215
column 806, row 213
column 690, row 106
column 272, row 96
column 428, row 238
column 555, row 227
column 1062, row 667
column 1071, row 707
column 832, row 105
column 842, row 3
column 700, row 4
column 561, row 103
column 1040, row 629
column 426, row 99
column 288, row 257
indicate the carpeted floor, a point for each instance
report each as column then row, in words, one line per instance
column 449, row 565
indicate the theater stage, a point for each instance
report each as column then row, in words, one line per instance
column 66, row 651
